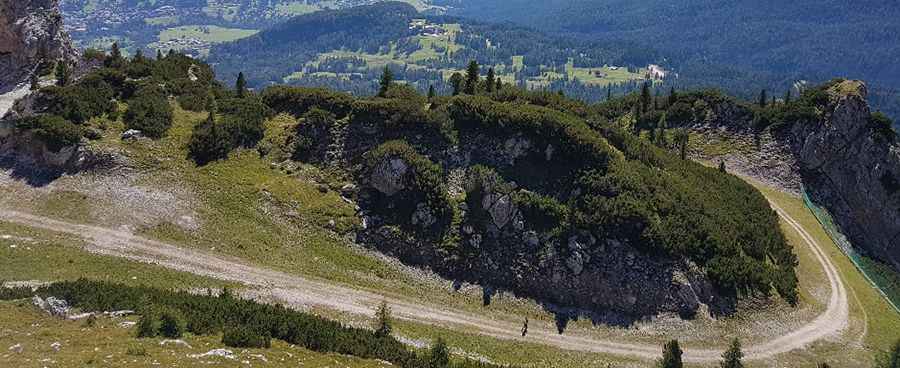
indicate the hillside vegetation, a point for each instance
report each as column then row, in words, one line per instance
column 536, row 192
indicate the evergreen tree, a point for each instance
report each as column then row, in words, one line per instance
column 62, row 73
column 722, row 167
column 682, row 139
column 387, row 79
column 471, row 78
column 489, row 82
column 787, row 97
column 656, row 100
column 240, row 86
column 673, row 96
column 645, row 98
column 439, row 357
column 661, row 127
column 431, row 93
column 212, row 108
column 608, row 92
column 456, row 81
column 159, row 55
column 384, row 321
column 671, row 355
column 731, row 358
column 499, row 84
column 115, row 57
column 763, row 99
column 138, row 56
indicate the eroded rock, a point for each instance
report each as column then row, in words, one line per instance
column 388, row 176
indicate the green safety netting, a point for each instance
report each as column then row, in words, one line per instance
column 886, row 285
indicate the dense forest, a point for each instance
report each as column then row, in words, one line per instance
column 739, row 46
column 358, row 41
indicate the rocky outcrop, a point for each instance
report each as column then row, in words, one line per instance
column 841, row 160
column 388, row 176
column 854, row 171
column 495, row 245
column 31, row 31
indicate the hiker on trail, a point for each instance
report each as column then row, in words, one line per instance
column 525, row 327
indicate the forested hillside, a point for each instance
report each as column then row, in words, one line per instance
column 737, row 45
column 348, row 50
column 186, row 25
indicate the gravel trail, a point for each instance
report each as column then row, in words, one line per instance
column 302, row 291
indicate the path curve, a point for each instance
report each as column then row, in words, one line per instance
column 302, row 291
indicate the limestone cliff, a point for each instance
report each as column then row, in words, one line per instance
column 854, row 171
column 841, row 158
column 30, row 30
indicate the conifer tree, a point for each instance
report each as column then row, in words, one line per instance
column 722, row 167
column 62, row 73
column 489, row 81
column 471, row 78
column 456, row 81
column 499, row 84
column 645, row 98
column 682, row 139
column 159, row 55
column 661, row 127
column 212, row 108
column 671, row 355
column 387, row 79
column 608, row 92
column 431, row 93
column 384, row 321
column 787, row 97
column 115, row 57
column 138, row 56
column 439, row 356
column 240, row 86
column 673, row 96
column 763, row 99
column 731, row 358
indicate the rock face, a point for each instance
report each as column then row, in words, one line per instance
column 30, row 30
column 840, row 160
column 854, row 172
column 388, row 176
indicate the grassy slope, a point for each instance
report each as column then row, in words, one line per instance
column 28, row 254
column 213, row 34
column 107, row 344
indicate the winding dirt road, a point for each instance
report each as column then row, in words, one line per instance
column 300, row 291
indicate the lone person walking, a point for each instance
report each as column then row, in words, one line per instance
column 525, row 327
